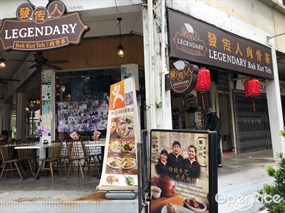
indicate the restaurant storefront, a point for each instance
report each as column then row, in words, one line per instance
column 88, row 78
column 85, row 75
column 228, row 64
column 231, row 60
column 93, row 65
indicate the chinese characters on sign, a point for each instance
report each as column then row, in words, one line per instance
column 120, row 171
column 196, row 41
column 181, row 166
column 42, row 28
column 183, row 77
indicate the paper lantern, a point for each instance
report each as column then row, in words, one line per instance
column 252, row 89
column 203, row 82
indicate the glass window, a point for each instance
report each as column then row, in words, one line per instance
column 82, row 99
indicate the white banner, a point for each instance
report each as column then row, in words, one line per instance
column 120, row 170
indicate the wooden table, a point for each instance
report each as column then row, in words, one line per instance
column 100, row 143
column 35, row 147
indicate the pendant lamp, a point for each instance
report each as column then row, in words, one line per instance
column 120, row 48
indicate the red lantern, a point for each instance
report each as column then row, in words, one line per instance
column 252, row 89
column 203, row 82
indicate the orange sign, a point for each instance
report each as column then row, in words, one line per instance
column 117, row 96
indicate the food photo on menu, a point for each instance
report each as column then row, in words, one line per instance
column 120, row 168
column 121, row 163
column 179, row 173
column 122, row 127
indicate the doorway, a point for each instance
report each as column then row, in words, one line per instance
column 225, row 116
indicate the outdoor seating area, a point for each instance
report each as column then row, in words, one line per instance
column 59, row 159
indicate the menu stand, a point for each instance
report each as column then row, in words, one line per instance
column 120, row 195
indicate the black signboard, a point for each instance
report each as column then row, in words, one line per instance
column 197, row 41
column 182, row 78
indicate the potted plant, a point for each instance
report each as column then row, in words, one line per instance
column 276, row 190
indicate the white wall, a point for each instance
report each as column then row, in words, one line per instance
column 235, row 16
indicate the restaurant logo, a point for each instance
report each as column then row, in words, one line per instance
column 117, row 96
column 183, row 77
column 40, row 28
column 188, row 41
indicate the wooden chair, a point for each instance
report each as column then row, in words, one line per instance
column 64, row 158
column 9, row 162
column 76, row 155
column 90, row 157
column 25, row 155
column 52, row 160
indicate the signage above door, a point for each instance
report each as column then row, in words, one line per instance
column 199, row 42
column 41, row 28
column 182, row 78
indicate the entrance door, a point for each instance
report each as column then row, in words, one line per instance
column 225, row 116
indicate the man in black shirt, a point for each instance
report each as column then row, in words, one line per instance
column 175, row 161
column 4, row 136
column 191, row 167
column 214, row 124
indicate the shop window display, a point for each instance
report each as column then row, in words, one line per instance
column 187, row 112
column 82, row 116
column 82, row 100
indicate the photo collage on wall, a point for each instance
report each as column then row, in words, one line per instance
column 82, row 116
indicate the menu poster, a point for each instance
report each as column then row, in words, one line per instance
column 120, row 170
column 183, row 172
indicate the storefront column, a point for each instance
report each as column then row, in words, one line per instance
column 47, row 122
column 166, row 95
column 21, row 115
column 158, row 105
column 5, row 119
column 275, row 109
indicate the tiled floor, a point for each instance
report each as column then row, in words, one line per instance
column 63, row 195
column 74, row 182
column 231, row 164
column 22, row 195
column 241, row 162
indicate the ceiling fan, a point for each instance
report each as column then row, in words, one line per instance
column 40, row 61
column 5, row 80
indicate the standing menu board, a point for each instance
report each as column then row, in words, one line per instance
column 183, row 171
column 120, row 170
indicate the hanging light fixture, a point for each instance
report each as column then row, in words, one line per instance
column 120, row 48
column 3, row 62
